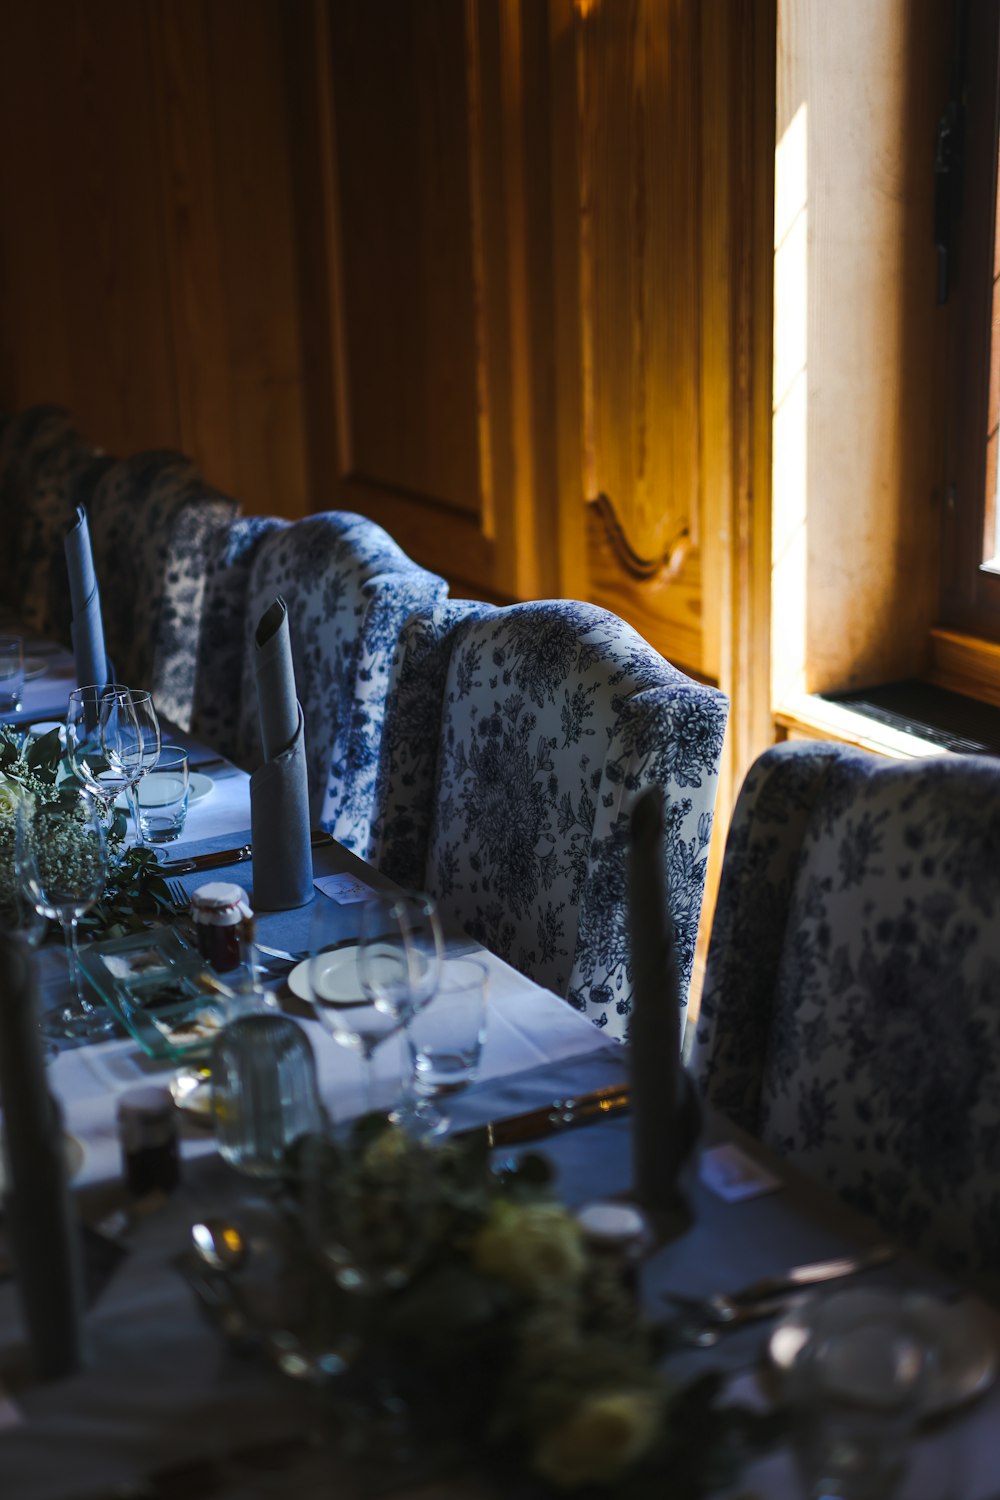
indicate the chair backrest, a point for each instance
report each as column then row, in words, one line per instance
column 219, row 672
column 851, row 1008
column 156, row 527
column 349, row 588
column 64, row 477
column 554, row 716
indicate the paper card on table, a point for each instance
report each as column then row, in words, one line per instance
column 344, row 889
column 733, row 1175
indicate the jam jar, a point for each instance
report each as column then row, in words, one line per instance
column 224, row 923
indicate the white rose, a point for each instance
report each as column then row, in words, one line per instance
column 10, row 795
column 535, row 1248
column 599, row 1440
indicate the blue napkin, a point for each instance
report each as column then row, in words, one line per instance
column 665, row 1113
column 87, row 626
column 279, row 790
column 43, row 1227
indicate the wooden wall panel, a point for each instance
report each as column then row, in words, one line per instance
column 147, row 243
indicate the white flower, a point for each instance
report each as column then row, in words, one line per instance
column 602, row 1437
column 535, row 1248
column 10, row 795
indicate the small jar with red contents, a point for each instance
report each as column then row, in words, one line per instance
column 224, row 924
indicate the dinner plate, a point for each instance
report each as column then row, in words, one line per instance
column 338, row 980
column 199, row 787
column 34, row 666
column 964, row 1355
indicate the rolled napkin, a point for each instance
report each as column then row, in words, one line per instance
column 43, row 1228
column 279, row 790
column 665, row 1112
column 87, row 627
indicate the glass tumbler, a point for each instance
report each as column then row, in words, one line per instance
column 264, row 1091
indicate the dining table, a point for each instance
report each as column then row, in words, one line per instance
column 165, row 1407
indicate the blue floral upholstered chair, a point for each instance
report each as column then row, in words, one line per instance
column 219, row 671
column 28, row 440
column 553, row 717
column 349, row 589
column 65, row 474
column 850, row 1015
column 156, row 527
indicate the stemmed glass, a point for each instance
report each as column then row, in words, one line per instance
column 353, row 1016
column 399, row 957
column 27, row 926
column 86, row 753
column 61, row 863
column 130, row 737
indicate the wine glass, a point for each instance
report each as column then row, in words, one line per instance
column 85, row 752
column 399, row 961
column 349, row 1014
column 130, row 736
column 61, row 862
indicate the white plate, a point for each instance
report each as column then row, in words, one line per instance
column 965, row 1356
column 199, row 787
column 338, row 977
column 72, row 1150
column 35, row 666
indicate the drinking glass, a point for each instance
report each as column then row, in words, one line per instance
column 445, row 1040
column 163, row 796
column 85, row 752
column 855, row 1389
column 130, row 736
column 61, row 861
column 11, row 673
column 350, row 1015
column 399, row 964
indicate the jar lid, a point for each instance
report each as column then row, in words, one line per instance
column 149, row 1102
column 614, row 1225
column 218, row 895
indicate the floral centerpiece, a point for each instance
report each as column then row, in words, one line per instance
column 35, row 768
column 477, row 1293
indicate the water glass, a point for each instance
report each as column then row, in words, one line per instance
column 445, row 1040
column 163, row 796
column 264, row 1091
column 856, row 1389
column 11, row 673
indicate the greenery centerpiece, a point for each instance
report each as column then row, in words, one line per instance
column 474, row 1293
column 35, row 768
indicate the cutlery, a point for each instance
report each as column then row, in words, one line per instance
column 282, row 953
column 734, row 1307
column 550, row 1119
column 319, row 838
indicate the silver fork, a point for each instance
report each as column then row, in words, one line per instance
column 178, row 894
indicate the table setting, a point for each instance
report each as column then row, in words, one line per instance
column 405, row 1217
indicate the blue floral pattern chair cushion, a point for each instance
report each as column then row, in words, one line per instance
column 349, row 589
column 219, row 670
column 406, row 784
column 850, row 1015
column 554, row 717
column 65, row 477
column 156, row 511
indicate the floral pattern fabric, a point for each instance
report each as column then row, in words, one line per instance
column 219, row 669
column 66, row 478
column 349, row 589
column 849, row 1015
column 28, row 440
column 554, row 717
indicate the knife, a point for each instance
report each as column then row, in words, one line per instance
column 219, row 857
column 552, row 1118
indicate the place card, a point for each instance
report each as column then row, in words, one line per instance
column 346, row 890
column 730, row 1173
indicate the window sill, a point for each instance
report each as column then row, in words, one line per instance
column 965, row 664
column 806, row 717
